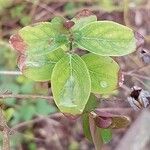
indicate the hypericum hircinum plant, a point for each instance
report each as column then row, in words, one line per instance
column 47, row 52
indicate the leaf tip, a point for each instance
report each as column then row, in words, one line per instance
column 17, row 43
column 84, row 13
column 70, row 116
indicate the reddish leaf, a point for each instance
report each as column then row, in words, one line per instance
column 17, row 43
column 103, row 122
column 83, row 13
column 71, row 117
column 111, row 120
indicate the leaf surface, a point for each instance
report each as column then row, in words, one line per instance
column 71, row 84
column 39, row 68
column 104, row 73
column 39, row 48
column 106, row 38
column 86, row 127
column 39, row 39
column 106, row 135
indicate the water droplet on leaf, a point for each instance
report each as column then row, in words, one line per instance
column 103, row 84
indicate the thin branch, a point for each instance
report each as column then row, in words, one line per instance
column 142, row 83
column 136, row 75
column 5, row 132
column 31, row 122
column 138, row 69
column 22, row 96
column 10, row 73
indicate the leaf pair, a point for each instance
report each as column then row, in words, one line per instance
column 39, row 49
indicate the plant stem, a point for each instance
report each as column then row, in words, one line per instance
column 5, row 132
column 22, row 96
column 10, row 73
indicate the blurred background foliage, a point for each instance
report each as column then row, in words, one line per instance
column 15, row 14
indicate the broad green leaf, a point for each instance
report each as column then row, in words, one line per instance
column 71, row 84
column 86, row 127
column 104, row 72
column 91, row 104
column 106, row 38
column 39, row 39
column 38, row 48
column 106, row 135
column 39, row 68
column 83, row 18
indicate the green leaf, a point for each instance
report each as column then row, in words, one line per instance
column 104, row 72
column 39, row 39
column 71, row 84
column 106, row 38
column 83, row 18
column 39, row 68
column 43, row 108
column 91, row 104
column 9, row 113
column 86, row 127
column 27, row 112
column 106, row 135
column 39, row 49
column 58, row 24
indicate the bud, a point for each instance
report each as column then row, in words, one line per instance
column 139, row 98
column 68, row 24
column 145, row 56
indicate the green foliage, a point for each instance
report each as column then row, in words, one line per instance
column 9, row 113
column 47, row 51
column 80, row 20
column 86, row 127
column 42, row 38
column 91, row 104
column 42, row 46
column 39, row 68
column 19, row 12
column 104, row 72
column 29, row 110
column 106, row 38
column 43, row 108
column 106, row 135
column 70, row 94
column 4, row 4
column 109, row 5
